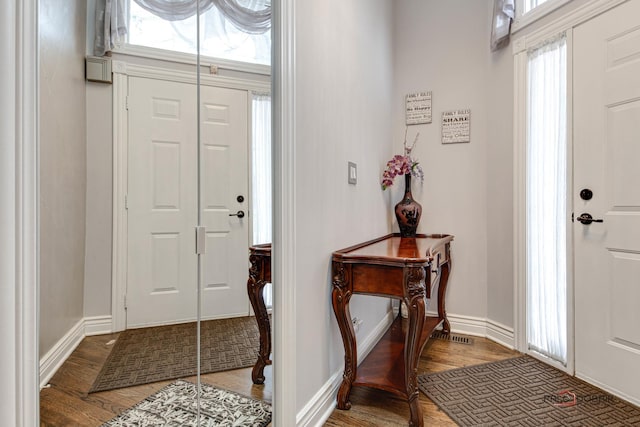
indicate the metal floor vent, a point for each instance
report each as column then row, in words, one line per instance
column 439, row 335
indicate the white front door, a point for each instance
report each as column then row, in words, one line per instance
column 162, row 202
column 607, row 162
column 225, row 187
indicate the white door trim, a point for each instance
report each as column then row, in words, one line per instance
column 19, row 365
column 284, row 218
column 121, row 73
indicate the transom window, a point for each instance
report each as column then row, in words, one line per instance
column 218, row 37
column 532, row 4
column 529, row 11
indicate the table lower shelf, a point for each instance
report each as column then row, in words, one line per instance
column 384, row 367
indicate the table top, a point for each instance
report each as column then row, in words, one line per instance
column 393, row 248
column 261, row 249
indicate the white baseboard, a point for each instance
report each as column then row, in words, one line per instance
column 51, row 362
column 479, row 327
column 319, row 408
column 501, row 334
column 467, row 325
column 97, row 325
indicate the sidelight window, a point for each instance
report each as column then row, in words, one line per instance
column 546, row 200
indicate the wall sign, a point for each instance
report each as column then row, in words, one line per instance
column 456, row 126
column 418, row 108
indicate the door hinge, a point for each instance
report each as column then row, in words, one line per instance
column 125, row 302
column 201, row 235
column 126, row 202
column 126, row 102
column 572, row 220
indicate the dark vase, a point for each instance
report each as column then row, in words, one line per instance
column 408, row 211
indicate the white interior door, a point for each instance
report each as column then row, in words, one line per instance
column 607, row 162
column 162, row 202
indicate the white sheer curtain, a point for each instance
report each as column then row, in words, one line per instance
column 261, row 177
column 547, row 200
column 261, row 168
column 503, row 15
column 111, row 25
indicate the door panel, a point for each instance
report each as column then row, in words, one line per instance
column 162, row 202
column 162, row 210
column 224, row 134
column 606, row 153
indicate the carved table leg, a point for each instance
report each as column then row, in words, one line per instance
column 442, row 290
column 340, row 297
column 255, row 288
column 415, row 299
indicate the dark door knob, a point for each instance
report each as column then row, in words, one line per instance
column 586, row 194
column 239, row 214
column 587, row 219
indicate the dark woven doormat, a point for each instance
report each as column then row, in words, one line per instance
column 523, row 392
column 147, row 355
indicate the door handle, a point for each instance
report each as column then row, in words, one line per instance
column 587, row 219
column 239, row 214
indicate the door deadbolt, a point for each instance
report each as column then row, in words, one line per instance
column 586, row 194
column 240, row 199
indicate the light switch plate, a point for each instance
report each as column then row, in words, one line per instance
column 353, row 173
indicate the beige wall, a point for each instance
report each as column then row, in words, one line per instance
column 62, row 167
column 444, row 47
column 343, row 113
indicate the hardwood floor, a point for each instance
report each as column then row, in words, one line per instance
column 371, row 407
column 66, row 402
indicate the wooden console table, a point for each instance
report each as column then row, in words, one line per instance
column 400, row 268
column 259, row 276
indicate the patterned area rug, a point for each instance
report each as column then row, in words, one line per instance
column 523, row 392
column 176, row 405
column 147, row 355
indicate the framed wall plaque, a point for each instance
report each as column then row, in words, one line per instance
column 456, row 126
column 418, row 108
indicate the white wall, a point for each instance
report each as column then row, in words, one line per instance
column 444, row 47
column 343, row 113
column 62, row 167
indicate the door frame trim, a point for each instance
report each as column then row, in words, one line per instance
column 19, row 213
column 121, row 72
column 284, row 215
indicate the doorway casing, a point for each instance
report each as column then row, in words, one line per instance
column 19, row 402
